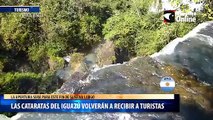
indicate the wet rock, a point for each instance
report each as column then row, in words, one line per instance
column 139, row 76
column 190, row 88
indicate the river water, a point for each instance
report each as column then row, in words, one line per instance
column 142, row 75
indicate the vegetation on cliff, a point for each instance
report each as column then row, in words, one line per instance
column 33, row 46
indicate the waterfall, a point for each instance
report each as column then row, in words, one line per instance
column 142, row 75
column 193, row 51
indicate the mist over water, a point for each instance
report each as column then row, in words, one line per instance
column 142, row 75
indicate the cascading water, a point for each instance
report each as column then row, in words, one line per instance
column 194, row 51
column 142, row 75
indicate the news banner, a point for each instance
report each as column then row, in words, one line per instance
column 28, row 9
column 89, row 103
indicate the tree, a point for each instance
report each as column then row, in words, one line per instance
column 77, row 23
column 208, row 10
column 125, row 27
column 20, row 32
column 122, row 29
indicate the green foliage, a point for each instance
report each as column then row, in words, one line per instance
column 183, row 28
column 185, row 8
column 3, row 60
column 1, row 66
column 128, row 30
column 66, row 25
column 8, row 31
column 55, row 62
column 125, row 27
column 19, row 82
column 122, row 29
column 117, row 6
column 48, row 83
column 150, row 41
column 90, row 30
column 141, row 32
column 12, row 83
column 20, row 32
column 18, row 2
column 208, row 12
column 37, row 52
column 76, row 23
column 176, row 2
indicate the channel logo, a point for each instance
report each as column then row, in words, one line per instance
column 169, row 16
column 167, row 84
